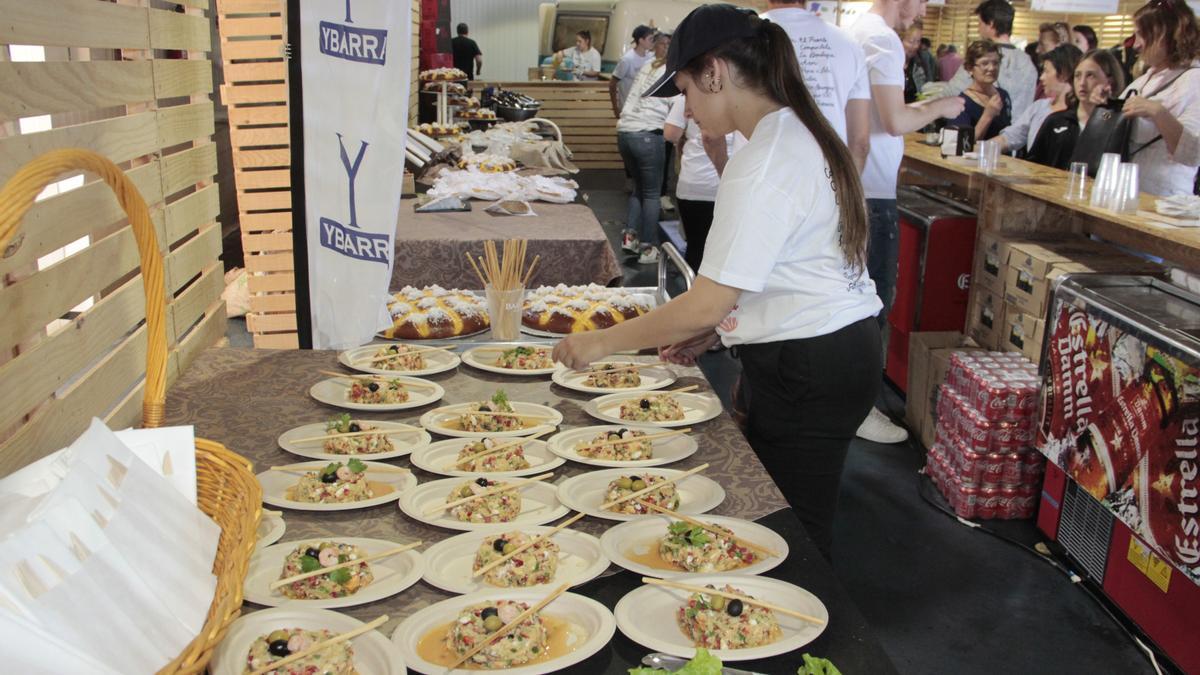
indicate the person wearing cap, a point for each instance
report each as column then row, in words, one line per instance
column 783, row 281
column 891, row 118
column 628, row 66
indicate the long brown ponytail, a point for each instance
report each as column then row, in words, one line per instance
column 767, row 63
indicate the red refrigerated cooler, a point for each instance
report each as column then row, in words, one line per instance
column 937, row 242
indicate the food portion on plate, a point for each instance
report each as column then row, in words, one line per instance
column 374, row 392
column 575, row 309
column 489, row 420
column 535, row 565
column 451, row 87
column 617, row 445
column 337, row 583
column 367, row 444
column 399, row 357
column 434, row 312
column 336, row 483
column 525, row 358
column 336, row 659
column 652, row 408
column 497, row 507
column 696, row 549
column 716, row 622
column 665, row 496
column 613, row 376
column 509, row 458
column 528, row 641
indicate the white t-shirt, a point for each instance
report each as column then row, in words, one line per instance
column 835, row 70
column 1163, row 173
column 775, row 236
column 582, row 62
column 644, row 113
column 698, row 178
column 885, row 66
column 627, row 69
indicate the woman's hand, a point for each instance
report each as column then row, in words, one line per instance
column 579, row 350
column 994, row 106
column 1100, row 95
column 1140, row 106
column 685, row 353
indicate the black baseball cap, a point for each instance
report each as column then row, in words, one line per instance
column 641, row 32
column 705, row 29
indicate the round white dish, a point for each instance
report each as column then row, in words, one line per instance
column 647, row 616
column 392, row 574
column 433, row 422
column 652, row 378
column 436, row 361
column 270, row 528
column 404, row 440
column 591, row 625
column 484, row 358
column 275, row 485
column 449, row 562
column 439, row 458
column 643, row 534
column 585, row 492
column 539, row 505
column 373, row 653
column 333, row 392
column 666, row 450
column 697, row 408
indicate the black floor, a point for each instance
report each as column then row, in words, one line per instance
column 941, row 597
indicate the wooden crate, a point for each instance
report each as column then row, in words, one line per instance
column 583, row 111
column 103, row 88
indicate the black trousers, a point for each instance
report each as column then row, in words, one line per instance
column 806, row 400
column 697, row 217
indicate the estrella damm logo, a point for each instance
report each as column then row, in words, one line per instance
column 343, row 41
column 348, row 239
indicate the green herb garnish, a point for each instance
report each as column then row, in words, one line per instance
column 340, row 424
column 356, row 465
column 309, row 563
column 816, row 666
column 332, row 467
column 501, row 399
column 340, row 576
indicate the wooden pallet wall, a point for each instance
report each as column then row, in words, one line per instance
column 583, row 111
column 134, row 83
column 956, row 24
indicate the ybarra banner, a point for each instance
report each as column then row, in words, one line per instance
column 1121, row 415
column 355, row 70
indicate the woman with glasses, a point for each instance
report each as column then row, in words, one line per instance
column 988, row 108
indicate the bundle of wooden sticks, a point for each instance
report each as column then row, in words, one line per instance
column 505, row 271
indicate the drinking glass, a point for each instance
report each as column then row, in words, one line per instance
column 1124, row 198
column 1076, row 182
column 1106, row 180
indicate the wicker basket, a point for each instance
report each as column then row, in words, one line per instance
column 225, row 485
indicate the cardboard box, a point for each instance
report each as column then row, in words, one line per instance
column 1023, row 334
column 929, row 361
column 1034, row 266
column 992, row 252
column 985, row 317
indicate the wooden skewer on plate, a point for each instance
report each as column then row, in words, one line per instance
column 732, row 596
column 318, row 646
column 272, row 512
column 656, row 486
column 499, row 448
column 349, row 563
column 648, row 394
column 639, row 439
column 506, row 628
column 407, row 384
column 453, row 411
column 692, row 521
column 407, row 429
column 417, row 350
column 632, row 366
column 296, row 468
column 501, row 350
column 530, row 544
column 488, row 492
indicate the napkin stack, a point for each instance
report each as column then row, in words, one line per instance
column 105, row 559
column 471, row 183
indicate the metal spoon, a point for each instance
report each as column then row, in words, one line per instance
column 673, row 663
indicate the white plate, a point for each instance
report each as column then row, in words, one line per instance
column 652, row 378
column 666, row 450
column 432, row 421
column 392, row 574
column 435, row 458
column 590, row 623
column 404, row 441
column 270, row 528
column 449, row 562
column 372, row 652
column 697, row 408
column 333, row 392
column 585, row 492
column 381, row 336
column 647, row 616
column 276, row 483
column 539, row 505
column 484, row 358
column 643, row 534
column 436, row 361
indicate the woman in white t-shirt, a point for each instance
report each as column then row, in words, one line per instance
column 585, row 60
column 783, row 281
column 702, row 159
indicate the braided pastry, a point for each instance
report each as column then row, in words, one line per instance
column 575, row 309
column 442, row 74
column 435, row 313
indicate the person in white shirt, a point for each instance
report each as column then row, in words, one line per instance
column 1018, row 76
column 702, row 159
column 835, row 73
column 891, row 118
column 585, row 60
column 627, row 68
column 783, row 282
column 1165, row 100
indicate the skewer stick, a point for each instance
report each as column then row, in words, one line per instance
column 501, row 350
column 633, row 366
column 732, row 596
column 639, row 439
column 459, row 410
column 498, row 448
column 408, row 429
column 408, row 384
column 692, row 521
column 530, row 544
column 488, row 492
column 529, row 272
column 507, row 628
column 418, row 350
column 349, row 563
column 615, row 404
column 300, row 469
column 478, row 273
column 656, row 486
column 272, row 512
column 318, row 646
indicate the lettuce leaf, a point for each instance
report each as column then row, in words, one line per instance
column 703, row 663
column 817, row 666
